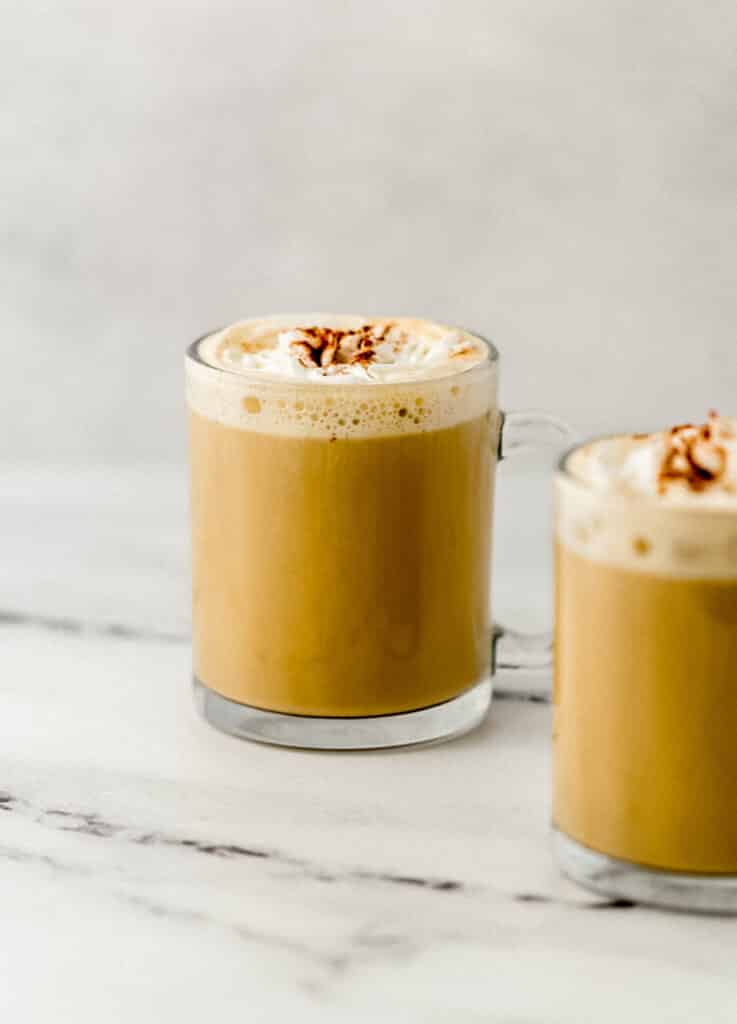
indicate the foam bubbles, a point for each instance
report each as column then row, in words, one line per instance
column 340, row 412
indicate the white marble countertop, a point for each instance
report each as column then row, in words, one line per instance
column 152, row 869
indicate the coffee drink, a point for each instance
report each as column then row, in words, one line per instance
column 645, row 685
column 342, row 479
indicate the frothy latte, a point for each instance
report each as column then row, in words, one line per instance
column 646, row 648
column 342, row 480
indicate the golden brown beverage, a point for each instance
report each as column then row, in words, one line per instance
column 645, row 690
column 342, row 482
column 341, row 577
column 646, row 715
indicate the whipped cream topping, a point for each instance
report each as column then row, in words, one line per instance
column 685, row 465
column 342, row 349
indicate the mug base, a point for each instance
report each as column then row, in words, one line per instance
column 620, row 879
column 426, row 725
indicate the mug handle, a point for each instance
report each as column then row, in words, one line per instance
column 521, row 432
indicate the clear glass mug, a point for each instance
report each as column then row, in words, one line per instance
column 645, row 697
column 341, row 539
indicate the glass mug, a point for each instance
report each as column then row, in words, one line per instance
column 645, row 697
column 341, row 540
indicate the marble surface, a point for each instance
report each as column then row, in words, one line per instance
column 154, row 870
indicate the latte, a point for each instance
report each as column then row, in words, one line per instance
column 342, row 479
column 646, row 649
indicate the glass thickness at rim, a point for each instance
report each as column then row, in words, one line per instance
column 193, row 353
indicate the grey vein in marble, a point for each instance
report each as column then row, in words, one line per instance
column 92, row 825
column 64, row 624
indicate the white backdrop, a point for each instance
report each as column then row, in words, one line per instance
column 559, row 175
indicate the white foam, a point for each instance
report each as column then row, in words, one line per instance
column 686, row 465
column 417, row 381
column 400, row 349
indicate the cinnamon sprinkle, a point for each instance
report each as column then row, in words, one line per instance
column 328, row 348
column 692, row 457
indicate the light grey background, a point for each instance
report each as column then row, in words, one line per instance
column 557, row 174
